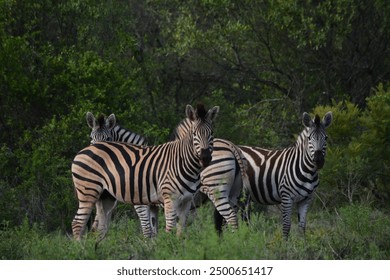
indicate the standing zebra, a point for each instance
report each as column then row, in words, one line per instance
column 107, row 129
column 139, row 175
column 223, row 179
column 290, row 175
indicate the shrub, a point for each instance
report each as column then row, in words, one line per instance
column 357, row 162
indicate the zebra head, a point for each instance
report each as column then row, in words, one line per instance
column 316, row 136
column 101, row 127
column 202, row 131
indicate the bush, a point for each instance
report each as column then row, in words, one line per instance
column 375, row 141
column 357, row 162
column 360, row 233
column 355, row 231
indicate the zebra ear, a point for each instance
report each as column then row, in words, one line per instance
column 190, row 112
column 212, row 113
column 306, row 120
column 91, row 121
column 110, row 121
column 327, row 120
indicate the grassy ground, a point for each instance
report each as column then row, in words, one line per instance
column 349, row 232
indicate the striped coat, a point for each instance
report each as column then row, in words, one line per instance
column 167, row 173
column 289, row 175
column 222, row 180
column 107, row 129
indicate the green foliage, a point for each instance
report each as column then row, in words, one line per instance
column 268, row 123
column 346, row 123
column 350, row 232
column 361, row 230
column 312, row 23
column 375, row 140
column 357, row 164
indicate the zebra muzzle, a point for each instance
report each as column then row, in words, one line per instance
column 319, row 159
column 205, row 157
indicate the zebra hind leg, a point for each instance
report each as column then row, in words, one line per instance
column 154, row 219
column 99, row 212
column 226, row 209
column 102, row 203
column 183, row 206
column 81, row 218
column 108, row 205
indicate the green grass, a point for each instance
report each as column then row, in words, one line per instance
column 350, row 232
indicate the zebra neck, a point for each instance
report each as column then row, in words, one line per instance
column 117, row 132
column 121, row 134
column 302, row 150
column 187, row 154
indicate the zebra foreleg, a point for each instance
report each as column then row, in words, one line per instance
column 143, row 213
column 287, row 203
column 303, row 206
column 169, row 212
column 148, row 215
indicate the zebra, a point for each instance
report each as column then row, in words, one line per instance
column 139, row 175
column 107, row 129
column 223, row 179
column 289, row 175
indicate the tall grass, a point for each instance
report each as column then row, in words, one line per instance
column 350, row 232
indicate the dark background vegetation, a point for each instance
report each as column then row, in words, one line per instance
column 263, row 62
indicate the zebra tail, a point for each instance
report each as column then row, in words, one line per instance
column 244, row 205
column 242, row 162
column 218, row 221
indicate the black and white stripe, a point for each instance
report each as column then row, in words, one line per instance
column 222, row 180
column 139, row 175
column 289, row 175
column 106, row 129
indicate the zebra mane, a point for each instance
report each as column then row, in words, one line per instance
column 201, row 111
column 180, row 130
column 317, row 120
column 101, row 120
